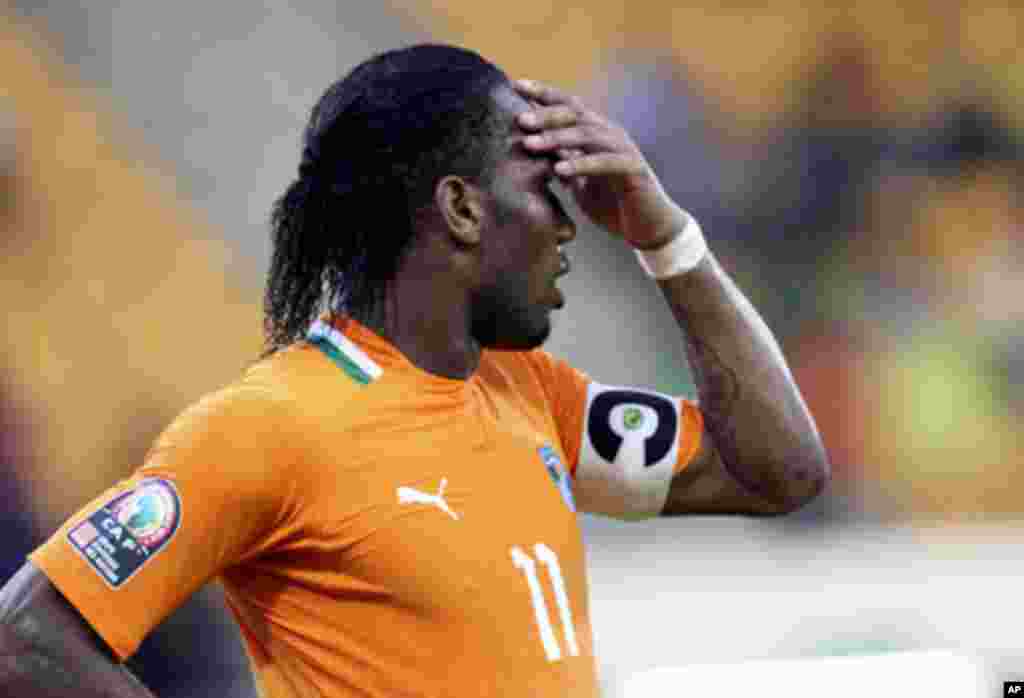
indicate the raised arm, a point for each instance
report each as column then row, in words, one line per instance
column 48, row 651
column 761, row 453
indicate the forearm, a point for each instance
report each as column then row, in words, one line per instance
column 43, row 657
column 753, row 410
column 762, row 432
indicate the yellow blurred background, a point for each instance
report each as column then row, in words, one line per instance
column 858, row 169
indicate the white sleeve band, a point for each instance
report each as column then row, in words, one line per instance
column 628, row 451
column 681, row 254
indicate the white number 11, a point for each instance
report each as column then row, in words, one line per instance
column 540, row 608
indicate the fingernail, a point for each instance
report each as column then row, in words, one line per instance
column 563, row 167
column 526, row 84
column 534, row 141
column 528, row 118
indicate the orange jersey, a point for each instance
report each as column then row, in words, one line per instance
column 379, row 530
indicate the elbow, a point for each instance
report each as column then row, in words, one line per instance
column 803, row 480
column 788, row 485
column 11, row 641
column 15, row 657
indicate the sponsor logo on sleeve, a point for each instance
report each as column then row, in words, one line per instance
column 631, row 426
column 125, row 533
column 628, row 451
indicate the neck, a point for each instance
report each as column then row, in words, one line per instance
column 428, row 323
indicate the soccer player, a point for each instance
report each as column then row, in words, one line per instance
column 389, row 496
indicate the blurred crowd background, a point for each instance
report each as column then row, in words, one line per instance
column 858, row 169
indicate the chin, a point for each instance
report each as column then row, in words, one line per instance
column 514, row 331
column 527, row 342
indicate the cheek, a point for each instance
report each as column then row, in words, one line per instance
column 538, row 208
column 523, row 241
column 544, row 209
column 541, row 220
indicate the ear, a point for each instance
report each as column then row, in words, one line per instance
column 461, row 207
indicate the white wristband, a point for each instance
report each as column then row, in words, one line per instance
column 681, row 254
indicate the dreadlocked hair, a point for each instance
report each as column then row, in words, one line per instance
column 376, row 144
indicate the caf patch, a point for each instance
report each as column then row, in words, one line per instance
column 129, row 530
column 561, row 478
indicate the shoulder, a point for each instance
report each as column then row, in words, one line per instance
column 257, row 397
column 536, row 365
column 298, row 383
column 250, row 437
column 538, row 377
column 261, row 409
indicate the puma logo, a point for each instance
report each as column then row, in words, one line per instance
column 410, row 495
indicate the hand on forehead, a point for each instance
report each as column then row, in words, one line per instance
column 512, row 102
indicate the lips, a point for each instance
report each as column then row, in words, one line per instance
column 563, row 269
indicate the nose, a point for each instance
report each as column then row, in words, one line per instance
column 566, row 225
column 567, row 229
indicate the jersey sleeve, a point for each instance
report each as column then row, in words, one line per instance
column 565, row 392
column 214, row 490
column 624, row 445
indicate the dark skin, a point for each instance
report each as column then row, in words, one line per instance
column 482, row 272
column 760, row 453
column 483, row 275
column 48, row 651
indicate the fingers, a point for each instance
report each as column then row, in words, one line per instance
column 585, row 142
column 587, row 150
column 566, row 111
column 545, row 94
column 575, row 183
column 600, row 164
column 581, row 138
column 558, row 116
column 560, row 122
